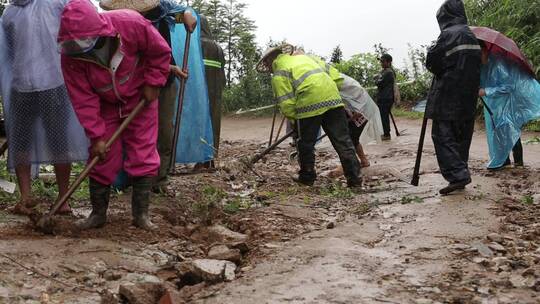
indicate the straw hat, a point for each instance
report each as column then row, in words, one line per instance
column 140, row 6
column 262, row 66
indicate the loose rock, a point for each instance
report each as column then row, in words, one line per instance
column 494, row 237
column 142, row 293
column 483, row 249
column 211, row 271
column 226, row 234
column 222, row 252
column 497, row 247
column 111, row 275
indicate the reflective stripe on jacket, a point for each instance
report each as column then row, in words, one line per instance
column 302, row 87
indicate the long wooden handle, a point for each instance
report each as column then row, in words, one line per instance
column 258, row 157
column 178, row 119
column 394, row 121
column 95, row 160
column 416, row 174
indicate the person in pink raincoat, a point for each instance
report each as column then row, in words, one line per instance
column 110, row 62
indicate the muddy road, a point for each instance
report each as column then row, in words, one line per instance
column 393, row 243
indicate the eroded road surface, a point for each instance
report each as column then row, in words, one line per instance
column 393, row 243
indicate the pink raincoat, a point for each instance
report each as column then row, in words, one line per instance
column 103, row 96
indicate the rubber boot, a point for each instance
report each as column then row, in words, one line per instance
column 99, row 197
column 140, row 201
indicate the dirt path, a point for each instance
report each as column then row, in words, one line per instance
column 393, row 244
column 396, row 254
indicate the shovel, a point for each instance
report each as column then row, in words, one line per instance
column 416, row 174
column 178, row 118
column 45, row 223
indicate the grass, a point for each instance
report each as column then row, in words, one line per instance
column 411, row 199
column 533, row 141
column 44, row 188
column 404, row 113
column 527, row 200
column 533, row 126
column 336, row 190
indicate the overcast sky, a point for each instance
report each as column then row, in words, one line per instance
column 356, row 25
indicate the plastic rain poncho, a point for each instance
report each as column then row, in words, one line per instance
column 357, row 99
column 195, row 144
column 513, row 96
column 40, row 122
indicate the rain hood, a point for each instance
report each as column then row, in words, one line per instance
column 451, row 13
column 205, row 28
column 79, row 12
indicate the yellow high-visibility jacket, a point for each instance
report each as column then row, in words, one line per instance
column 303, row 87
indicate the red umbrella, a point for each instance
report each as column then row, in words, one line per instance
column 499, row 43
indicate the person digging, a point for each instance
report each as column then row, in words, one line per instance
column 163, row 15
column 111, row 61
column 307, row 94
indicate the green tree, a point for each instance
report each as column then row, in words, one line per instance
column 362, row 67
column 3, row 4
column 236, row 26
column 337, row 55
column 519, row 20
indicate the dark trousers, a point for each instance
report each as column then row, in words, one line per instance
column 517, row 152
column 385, row 108
column 334, row 122
column 452, row 140
column 167, row 107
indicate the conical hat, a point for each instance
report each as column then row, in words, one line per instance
column 140, row 6
column 285, row 48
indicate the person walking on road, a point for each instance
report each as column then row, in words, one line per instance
column 163, row 15
column 307, row 94
column 455, row 62
column 41, row 125
column 385, row 93
column 111, row 61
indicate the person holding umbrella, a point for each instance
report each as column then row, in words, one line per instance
column 510, row 93
column 455, row 62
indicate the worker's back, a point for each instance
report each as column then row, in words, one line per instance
column 303, row 87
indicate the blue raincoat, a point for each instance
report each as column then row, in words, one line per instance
column 196, row 142
column 513, row 96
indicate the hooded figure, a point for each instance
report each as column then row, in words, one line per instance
column 41, row 125
column 513, row 98
column 455, row 62
column 163, row 15
column 110, row 62
column 214, row 62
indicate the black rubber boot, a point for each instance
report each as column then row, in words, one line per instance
column 140, row 201
column 454, row 187
column 99, row 197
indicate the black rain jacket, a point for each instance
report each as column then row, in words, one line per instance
column 385, row 86
column 455, row 61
